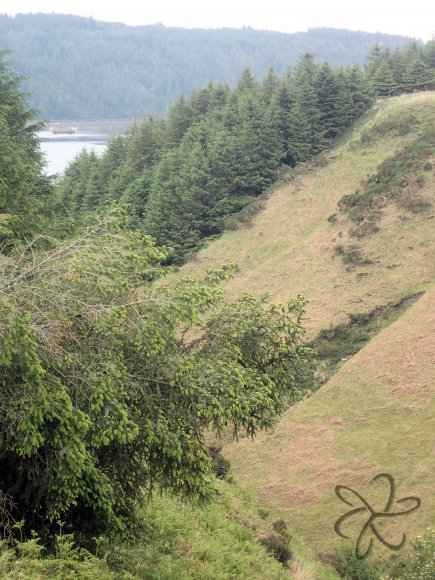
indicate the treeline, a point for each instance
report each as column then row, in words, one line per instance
column 81, row 68
column 183, row 176
column 401, row 71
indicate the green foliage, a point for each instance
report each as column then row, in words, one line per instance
column 405, row 70
column 183, row 176
column 184, row 540
column 421, row 564
column 220, row 466
column 26, row 560
column 352, row 568
column 25, row 193
column 108, row 383
column 278, row 546
column 351, row 255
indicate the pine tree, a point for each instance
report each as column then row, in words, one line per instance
column 360, row 90
column 383, row 81
column 418, row 76
column 429, row 53
column 306, row 100
column 26, row 195
column 331, row 110
column 299, row 134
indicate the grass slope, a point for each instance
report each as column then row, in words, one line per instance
column 180, row 541
column 375, row 414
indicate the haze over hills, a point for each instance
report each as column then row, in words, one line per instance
column 371, row 307
column 82, row 68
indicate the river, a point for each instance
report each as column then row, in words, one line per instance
column 60, row 149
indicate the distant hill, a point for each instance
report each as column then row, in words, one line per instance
column 82, row 68
column 354, row 234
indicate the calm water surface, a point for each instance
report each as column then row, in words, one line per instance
column 61, row 148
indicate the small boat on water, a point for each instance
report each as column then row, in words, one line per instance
column 63, row 130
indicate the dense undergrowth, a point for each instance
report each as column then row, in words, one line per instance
column 229, row 538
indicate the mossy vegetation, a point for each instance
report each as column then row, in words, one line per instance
column 400, row 179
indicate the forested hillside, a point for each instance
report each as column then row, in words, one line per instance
column 81, row 68
column 184, row 176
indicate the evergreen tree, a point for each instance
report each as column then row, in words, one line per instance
column 306, row 101
column 429, row 53
column 299, row 134
column 181, row 177
column 383, row 81
column 375, row 58
column 418, row 76
column 166, row 217
column 329, row 92
column 360, row 91
column 105, row 397
column 269, row 86
column 26, row 195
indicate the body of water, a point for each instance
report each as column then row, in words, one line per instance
column 61, row 149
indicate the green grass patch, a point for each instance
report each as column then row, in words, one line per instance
column 229, row 538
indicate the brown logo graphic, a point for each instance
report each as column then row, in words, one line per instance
column 369, row 526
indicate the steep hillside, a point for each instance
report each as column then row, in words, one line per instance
column 375, row 250
column 80, row 68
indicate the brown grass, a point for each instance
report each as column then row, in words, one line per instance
column 377, row 412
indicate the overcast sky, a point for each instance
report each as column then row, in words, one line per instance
column 410, row 18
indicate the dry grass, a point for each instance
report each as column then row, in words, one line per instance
column 290, row 248
column 377, row 413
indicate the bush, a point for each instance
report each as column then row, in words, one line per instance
column 421, row 565
column 352, row 568
column 28, row 560
column 352, row 255
column 414, row 202
column 221, row 466
column 105, row 394
column 278, row 546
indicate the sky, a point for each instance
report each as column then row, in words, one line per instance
column 414, row 18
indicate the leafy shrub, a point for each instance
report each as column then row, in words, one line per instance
column 352, row 255
column 220, row 466
column 352, row 568
column 105, row 394
column 28, row 560
column 395, row 179
column 414, row 202
column 421, row 565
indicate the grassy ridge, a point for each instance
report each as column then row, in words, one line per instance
column 375, row 414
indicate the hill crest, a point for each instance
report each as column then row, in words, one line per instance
column 79, row 67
